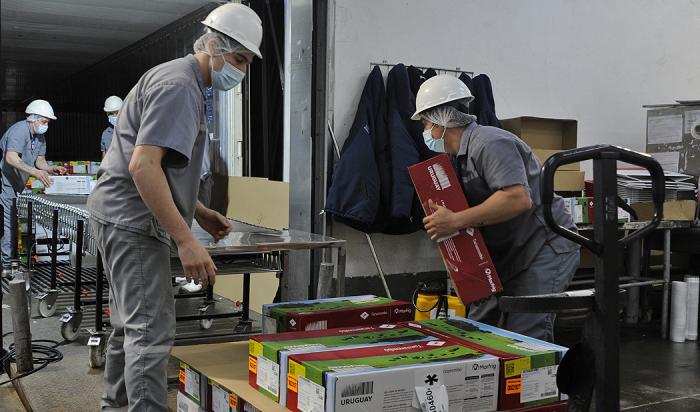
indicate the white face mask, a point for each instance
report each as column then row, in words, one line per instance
column 41, row 129
column 112, row 120
column 436, row 145
column 228, row 78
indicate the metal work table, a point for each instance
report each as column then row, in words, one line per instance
column 634, row 280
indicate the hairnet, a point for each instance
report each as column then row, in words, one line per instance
column 34, row 117
column 448, row 116
column 222, row 44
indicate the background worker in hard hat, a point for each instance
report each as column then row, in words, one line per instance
column 112, row 106
column 146, row 197
column 23, row 154
column 500, row 177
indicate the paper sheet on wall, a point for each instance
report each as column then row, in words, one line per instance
column 667, row 160
column 665, row 129
column 691, row 116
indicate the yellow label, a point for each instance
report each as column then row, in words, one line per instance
column 255, row 348
column 513, row 386
column 292, row 383
column 253, row 364
column 182, row 375
column 295, row 369
column 516, row 366
column 232, row 401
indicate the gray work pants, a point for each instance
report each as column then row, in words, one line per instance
column 142, row 314
column 550, row 272
column 6, row 246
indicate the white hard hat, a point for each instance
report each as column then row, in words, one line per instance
column 438, row 90
column 113, row 104
column 42, row 108
column 238, row 22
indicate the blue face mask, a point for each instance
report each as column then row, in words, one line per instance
column 112, row 120
column 41, row 129
column 228, row 78
column 436, row 145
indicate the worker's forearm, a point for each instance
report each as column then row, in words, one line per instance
column 16, row 162
column 155, row 192
column 42, row 164
column 497, row 208
column 199, row 208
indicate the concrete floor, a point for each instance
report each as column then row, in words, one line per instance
column 656, row 375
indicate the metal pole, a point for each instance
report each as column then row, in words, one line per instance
column 2, row 265
column 78, row 262
column 20, row 326
column 245, row 315
column 98, row 294
column 54, row 250
column 634, row 257
column 30, row 233
column 367, row 237
column 14, row 228
column 667, row 283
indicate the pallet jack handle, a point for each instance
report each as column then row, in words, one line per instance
column 658, row 187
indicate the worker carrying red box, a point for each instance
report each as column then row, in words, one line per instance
column 500, row 177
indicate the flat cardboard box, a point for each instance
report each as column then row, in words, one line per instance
column 387, row 377
column 192, row 385
column 70, row 185
column 525, row 362
column 465, row 254
column 543, row 133
column 221, row 399
column 673, row 210
column 568, row 181
column 544, row 154
column 227, row 365
column 268, row 354
column 334, row 313
column 185, row 404
column 582, row 210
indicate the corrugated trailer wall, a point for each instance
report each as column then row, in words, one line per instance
column 79, row 99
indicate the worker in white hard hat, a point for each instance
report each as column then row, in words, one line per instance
column 111, row 108
column 23, row 155
column 500, row 178
column 145, row 200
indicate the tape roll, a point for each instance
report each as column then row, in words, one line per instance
column 695, row 129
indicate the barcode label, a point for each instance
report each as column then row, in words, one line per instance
column 442, row 176
column 356, row 389
column 318, row 325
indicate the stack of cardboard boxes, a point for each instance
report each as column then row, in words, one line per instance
column 547, row 137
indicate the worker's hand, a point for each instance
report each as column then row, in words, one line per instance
column 43, row 176
column 442, row 222
column 59, row 170
column 197, row 263
column 214, row 223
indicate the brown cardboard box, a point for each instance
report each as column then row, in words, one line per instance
column 673, row 210
column 543, row 133
column 568, row 181
column 544, row 154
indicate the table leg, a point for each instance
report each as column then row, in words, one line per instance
column 340, row 285
column 667, row 283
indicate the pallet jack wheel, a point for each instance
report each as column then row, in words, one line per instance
column 45, row 309
column 206, row 323
column 69, row 331
column 97, row 357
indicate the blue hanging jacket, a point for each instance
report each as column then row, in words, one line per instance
column 484, row 104
column 354, row 194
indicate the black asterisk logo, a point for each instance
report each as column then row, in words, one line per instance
column 431, row 379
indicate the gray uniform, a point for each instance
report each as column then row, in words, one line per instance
column 18, row 138
column 164, row 109
column 529, row 257
column 106, row 139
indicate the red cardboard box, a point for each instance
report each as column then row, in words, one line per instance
column 465, row 254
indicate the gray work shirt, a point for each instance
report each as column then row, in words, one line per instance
column 490, row 159
column 19, row 138
column 164, row 109
column 106, row 138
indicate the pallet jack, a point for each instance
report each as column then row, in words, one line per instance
column 600, row 340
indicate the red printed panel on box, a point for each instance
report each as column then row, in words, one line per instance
column 465, row 254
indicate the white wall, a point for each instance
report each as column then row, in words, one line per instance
column 596, row 61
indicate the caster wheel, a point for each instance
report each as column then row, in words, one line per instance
column 97, row 357
column 205, row 323
column 45, row 310
column 70, row 331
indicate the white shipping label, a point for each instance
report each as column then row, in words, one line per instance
column 432, row 398
column 192, row 383
column 665, row 129
column 312, row 396
column 219, row 399
column 268, row 375
column 539, row 384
